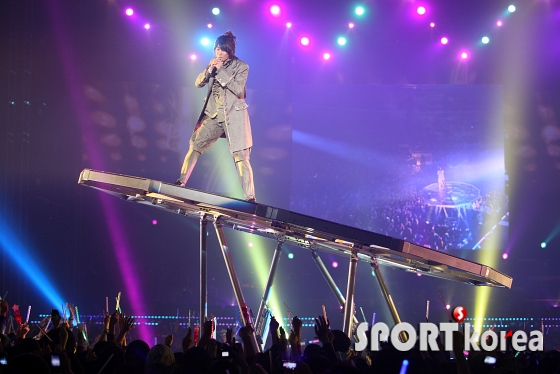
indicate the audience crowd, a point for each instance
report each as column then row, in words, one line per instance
column 62, row 348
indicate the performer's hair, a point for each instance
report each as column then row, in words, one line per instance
column 227, row 43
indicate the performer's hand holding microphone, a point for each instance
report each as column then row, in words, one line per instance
column 215, row 64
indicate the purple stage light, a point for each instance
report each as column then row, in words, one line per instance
column 334, row 264
column 432, row 24
column 304, row 40
column 421, row 10
column 147, row 26
column 351, row 25
column 464, row 55
column 275, row 10
column 444, row 40
column 505, row 256
column 209, row 25
column 326, row 56
column 154, row 222
column 129, row 12
column 193, row 57
column 289, row 24
column 499, row 23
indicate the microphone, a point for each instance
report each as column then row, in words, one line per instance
column 214, row 69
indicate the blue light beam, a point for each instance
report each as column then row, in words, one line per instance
column 19, row 254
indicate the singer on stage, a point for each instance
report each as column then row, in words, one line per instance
column 225, row 114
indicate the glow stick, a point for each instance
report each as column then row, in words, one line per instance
column 118, row 301
column 44, row 332
column 77, row 314
column 404, row 367
column 63, row 313
column 118, row 306
column 28, row 312
column 363, row 314
column 106, row 362
column 107, row 304
column 427, row 309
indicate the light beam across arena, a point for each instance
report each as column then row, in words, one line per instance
column 121, row 247
column 24, row 259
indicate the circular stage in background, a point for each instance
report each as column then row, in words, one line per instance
column 456, row 195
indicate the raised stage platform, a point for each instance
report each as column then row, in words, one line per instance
column 284, row 226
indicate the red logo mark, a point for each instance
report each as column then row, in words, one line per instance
column 459, row 313
column 509, row 333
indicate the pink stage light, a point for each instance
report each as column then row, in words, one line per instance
column 499, row 23
column 275, row 10
column 444, row 40
column 351, row 25
column 505, row 256
column 326, row 56
column 147, row 26
column 154, row 222
column 432, row 24
column 209, row 25
column 421, row 10
column 129, row 12
column 289, row 24
column 464, row 55
column 193, row 57
column 304, row 40
column 334, row 264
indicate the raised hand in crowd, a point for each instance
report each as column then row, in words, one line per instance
column 187, row 341
column 113, row 322
column 4, row 308
column 206, row 334
column 126, row 323
column 295, row 339
column 22, row 331
column 283, row 345
column 63, row 337
column 168, row 341
column 230, row 339
column 326, row 337
column 273, row 328
column 105, row 332
column 72, row 309
column 212, row 348
column 458, row 346
column 246, row 334
column 323, row 331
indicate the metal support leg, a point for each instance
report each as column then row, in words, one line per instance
column 203, row 284
column 234, row 280
column 402, row 336
column 349, row 306
column 330, row 281
column 260, row 320
column 328, row 278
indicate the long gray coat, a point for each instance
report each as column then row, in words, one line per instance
column 229, row 87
